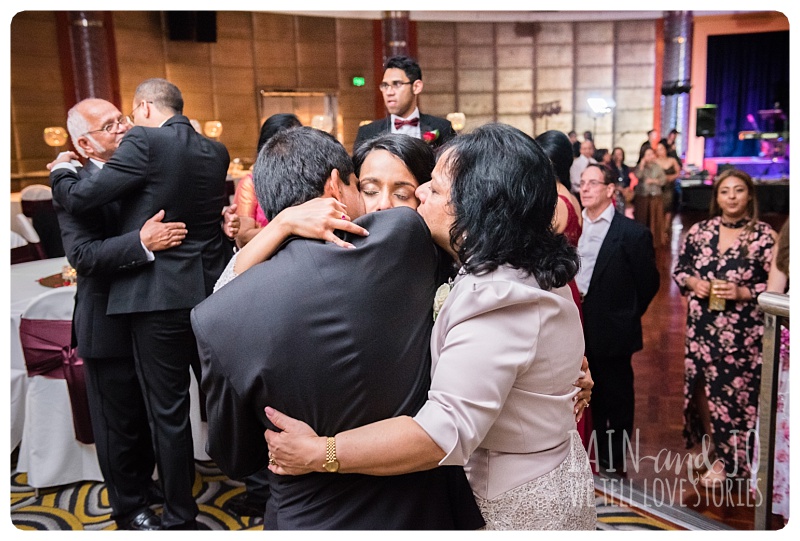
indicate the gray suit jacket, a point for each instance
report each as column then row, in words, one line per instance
column 336, row 338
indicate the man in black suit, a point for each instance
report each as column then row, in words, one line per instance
column 162, row 163
column 97, row 252
column 335, row 337
column 402, row 83
column 617, row 280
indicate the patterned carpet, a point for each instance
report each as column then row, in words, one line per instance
column 84, row 506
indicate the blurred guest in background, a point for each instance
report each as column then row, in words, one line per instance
column 672, row 146
column 649, row 196
column 247, row 207
column 653, row 138
column 723, row 266
column 576, row 145
column 622, row 174
column 672, row 169
column 579, row 164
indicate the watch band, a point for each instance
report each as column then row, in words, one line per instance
column 330, row 455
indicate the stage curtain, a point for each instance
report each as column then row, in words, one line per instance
column 746, row 73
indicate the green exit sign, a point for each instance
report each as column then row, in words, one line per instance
column 358, row 81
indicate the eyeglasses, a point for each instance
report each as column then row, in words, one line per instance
column 129, row 118
column 397, row 85
column 111, row 127
column 591, row 183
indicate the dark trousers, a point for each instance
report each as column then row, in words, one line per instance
column 121, row 433
column 612, row 409
column 165, row 348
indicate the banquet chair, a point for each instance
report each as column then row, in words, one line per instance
column 31, row 236
column 57, row 445
column 21, row 250
column 37, row 204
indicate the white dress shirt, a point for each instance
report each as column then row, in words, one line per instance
column 592, row 237
column 413, row 131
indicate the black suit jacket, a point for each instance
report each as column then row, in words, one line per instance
column 336, row 338
column 97, row 254
column 624, row 281
column 426, row 123
column 172, row 168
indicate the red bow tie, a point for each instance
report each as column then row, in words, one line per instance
column 399, row 122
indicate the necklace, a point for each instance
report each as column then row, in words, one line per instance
column 734, row 225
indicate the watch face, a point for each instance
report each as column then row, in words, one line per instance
column 332, row 466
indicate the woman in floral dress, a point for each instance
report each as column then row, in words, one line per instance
column 723, row 347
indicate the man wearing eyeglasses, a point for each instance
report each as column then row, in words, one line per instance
column 617, row 280
column 96, row 249
column 402, row 83
column 162, row 163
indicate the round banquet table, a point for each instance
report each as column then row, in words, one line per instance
column 25, row 287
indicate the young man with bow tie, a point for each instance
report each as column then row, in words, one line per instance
column 402, row 83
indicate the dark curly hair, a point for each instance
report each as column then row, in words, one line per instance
column 503, row 197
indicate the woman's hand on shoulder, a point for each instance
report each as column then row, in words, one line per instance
column 318, row 219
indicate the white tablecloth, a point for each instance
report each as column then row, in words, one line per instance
column 24, row 288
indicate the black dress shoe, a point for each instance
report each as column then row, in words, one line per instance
column 245, row 505
column 146, row 520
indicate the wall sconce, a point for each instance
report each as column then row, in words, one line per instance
column 364, row 123
column 322, row 123
column 458, row 120
column 55, row 136
column 213, row 129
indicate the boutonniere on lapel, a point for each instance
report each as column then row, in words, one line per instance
column 430, row 136
column 440, row 297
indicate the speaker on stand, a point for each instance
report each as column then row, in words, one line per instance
column 706, row 123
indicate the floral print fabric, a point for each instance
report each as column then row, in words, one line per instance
column 724, row 347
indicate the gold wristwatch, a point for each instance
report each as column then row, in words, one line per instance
column 331, row 463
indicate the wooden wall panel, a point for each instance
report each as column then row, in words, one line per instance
column 594, row 32
column 474, row 34
column 514, row 103
column 515, row 34
column 475, row 57
column 473, row 80
column 553, row 55
column 489, row 71
column 514, row 80
column 435, row 33
column 514, row 56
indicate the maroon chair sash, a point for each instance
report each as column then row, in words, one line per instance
column 47, row 351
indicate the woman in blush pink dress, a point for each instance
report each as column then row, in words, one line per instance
column 251, row 217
